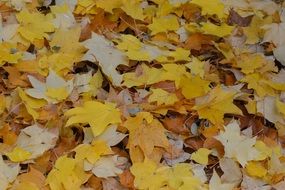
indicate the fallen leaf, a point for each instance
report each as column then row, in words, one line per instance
column 99, row 120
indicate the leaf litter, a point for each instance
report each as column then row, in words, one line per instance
column 142, row 94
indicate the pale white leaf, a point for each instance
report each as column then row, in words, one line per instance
column 8, row 173
column 232, row 172
column 279, row 53
column 216, row 183
column 36, row 140
column 107, row 55
column 237, row 146
column 111, row 136
column 109, row 166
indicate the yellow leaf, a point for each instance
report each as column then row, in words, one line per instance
column 249, row 63
column 67, row 41
column 145, row 176
column 135, row 49
column 163, row 24
column 211, row 7
column 251, row 107
column 96, row 83
column 133, row 9
column 197, row 67
column 149, row 75
column 192, row 184
column 265, row 151
column 201, row 156
column 109, row 5
column 149, row 176
column 262, row 85
column 31, row 104
column 86, row 6
column 57, row 93
column 67, row 174
column 7, row 55
column 18, row 155
column 280, row 107
column 96, row 114
column 256, row 169
column 162, row 97
column 92, row 152
column 27, row 186
column 253, row 31
column 179, row 54
column 194, row 86
column 34, row 25
column 220, row 31
column 216, row 104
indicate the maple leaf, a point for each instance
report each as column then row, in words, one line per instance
column 216, row 104
column 232, row 172
column 255, row 169
column 108, row 166
column 278, row 53
column 133, row 9
column 263, row 85
column 32, row 104
column 34, row 25
column 166, row 64
column 96, row 114
column 54, row 90
column 274, row 33
column 32, row 180
column 66, row 174
column 67, row 49
column 108, row 57
column 250, row 63
column 197, row 67
column 194, row 86
column 237, row 146
column 162, row 97
column 216, row 183
column 146, row 132
column 9, row 53
column 145, row 176
column 8, row 173
column 201, row 156
column 211, row 7
column 36, row 140
column 64, row 18
column 111, row 136
column 171, row 72
column 150, row 176
column 220, row 31
column 92, row 152
column 18, row 155
column 109, row 5
column 137, row 50
column 86, row 83
column 163, row 24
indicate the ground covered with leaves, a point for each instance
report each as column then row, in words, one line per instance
column 142, row 94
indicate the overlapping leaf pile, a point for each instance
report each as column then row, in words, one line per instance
column 142, row 94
